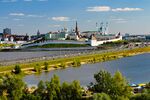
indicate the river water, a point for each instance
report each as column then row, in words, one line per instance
column 136, row 69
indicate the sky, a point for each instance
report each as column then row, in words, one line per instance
column 29, row 16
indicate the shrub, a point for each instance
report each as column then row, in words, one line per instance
column 17, row 69
column 45, row 66
column 62, row 65
column 37, row 68
column 76, row 63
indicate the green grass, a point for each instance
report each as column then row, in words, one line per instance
column 6, row 45
column 61, row 45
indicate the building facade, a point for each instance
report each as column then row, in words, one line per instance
column 56, row 36
column 7, row 31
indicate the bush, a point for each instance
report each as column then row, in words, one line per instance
column 17, row 69
column 45, row 66
column 76, row 63
column 62, row 65
column 37, row 68
column 94, row 60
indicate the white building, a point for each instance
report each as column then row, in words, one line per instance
column 96, row 42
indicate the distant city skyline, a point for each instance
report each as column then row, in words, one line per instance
column 29, row 16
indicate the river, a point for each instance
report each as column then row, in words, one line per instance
column 136, row 69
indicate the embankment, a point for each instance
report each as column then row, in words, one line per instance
column 28, row 68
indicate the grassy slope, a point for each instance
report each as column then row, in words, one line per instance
column 61, row 45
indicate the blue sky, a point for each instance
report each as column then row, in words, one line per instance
column 27, row 16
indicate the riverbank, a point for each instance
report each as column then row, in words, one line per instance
column 28, row 68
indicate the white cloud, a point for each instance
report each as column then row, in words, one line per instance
column 123, row 21
column 60, row 18
column 16, row 14
column 119, row 20
column 107, row 8
column 57, row 25
column 99, row 9
column 126, row 9
column 54, row 26
column 35, row 16
column 27, row 15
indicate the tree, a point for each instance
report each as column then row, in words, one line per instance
column 66, row 91
column 76, row 90
column 94, row 60
column 122, row 87
column 30, row 97
column 3, row 98
column 140, row 97
column 12, row 87
column 17, row 69
column 53, row 89
column 76, row 63
column 45, row 66
column 71, row 91
column 101, row 96
column 62, row 65
column 40, row 91
column 37, row 68
column 103, row 82
column 115, row 86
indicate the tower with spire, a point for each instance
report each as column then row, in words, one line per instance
column 101, row 28
column 38, row 33
column 106, row 28
column 77, row 30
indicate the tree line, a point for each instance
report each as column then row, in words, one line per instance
column 105, row 87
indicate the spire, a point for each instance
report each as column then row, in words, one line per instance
column 106, row 28
column 76, row 26
column 77, row 30
column 38, row 32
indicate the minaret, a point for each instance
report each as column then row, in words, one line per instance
column 101, row 28
column 97, row 27
column 77, row 30
column 106, row 28
column 38, row 33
